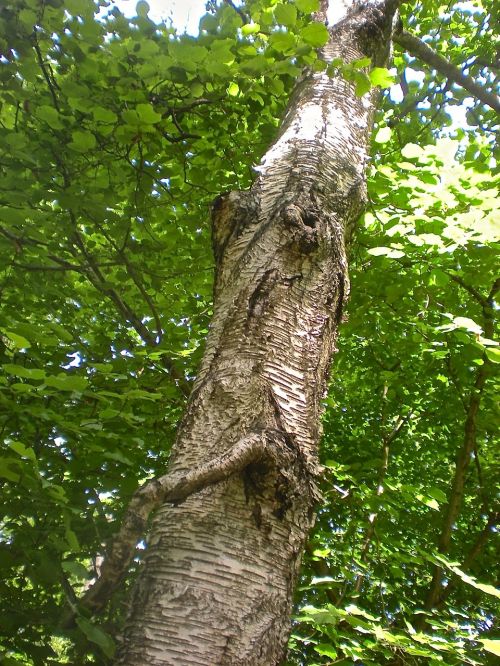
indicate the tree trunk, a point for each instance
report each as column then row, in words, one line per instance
column 220, row 568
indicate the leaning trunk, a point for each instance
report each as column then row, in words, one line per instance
column 219, row 573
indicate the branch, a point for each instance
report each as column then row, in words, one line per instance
column 462, row 463
column 133, row 274
column 384, row 466
column 174, row 488
column 21, row 240
column 457, row 489
column 99, row 281
column 239, row 11
column 482, row 300
column 322, row 570
column 476, row 549
column 65, row 266
column 419, row 49
column 45, row 74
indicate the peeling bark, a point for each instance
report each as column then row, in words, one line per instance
column 220, row 568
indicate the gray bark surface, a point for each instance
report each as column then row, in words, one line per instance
column 220, row 568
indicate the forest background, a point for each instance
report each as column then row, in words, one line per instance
column 117, row 133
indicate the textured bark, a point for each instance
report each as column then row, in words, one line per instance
column 220, row 568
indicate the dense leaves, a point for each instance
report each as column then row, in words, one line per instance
column 117, row 134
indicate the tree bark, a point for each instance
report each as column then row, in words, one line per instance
column 220, row 568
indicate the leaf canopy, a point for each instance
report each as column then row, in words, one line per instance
column 117, row 134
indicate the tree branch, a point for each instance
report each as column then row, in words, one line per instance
column 419, row 49
column 133, row 274
column 462, row 463
column 45, row 73
column 322, row 570
column 482, row 300
column 477, row 547
column 384, row 466
column 239, row 11
column 174, row 487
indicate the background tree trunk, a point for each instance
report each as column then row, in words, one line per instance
column 220, row 568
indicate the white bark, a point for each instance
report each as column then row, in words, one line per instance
column 220, row 567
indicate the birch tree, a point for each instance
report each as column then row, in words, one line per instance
column 228, row 520
column 252, row 422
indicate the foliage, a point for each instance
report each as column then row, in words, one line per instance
column 117, row 135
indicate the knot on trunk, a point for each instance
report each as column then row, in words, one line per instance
column 304, row 224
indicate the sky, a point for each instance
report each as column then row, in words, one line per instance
column 185, row 14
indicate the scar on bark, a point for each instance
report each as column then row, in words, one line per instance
column 259, row 298
column 231, row 212
column 254, row 449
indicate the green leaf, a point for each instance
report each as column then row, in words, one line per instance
column 468, row 324
column 380, row 76
column 96, row 635
column 428, row 501
column 437, row 494
column 491, row 645
column 326, row 650
column 493, row 354
column 250, row 29
column 284, row 42
column 50, row 116
column 383, row 135
column 6, row 471
column 64, row 382
column 142, row 115
column 23, row 451
column 18, row 341
column 82, row 141
column 116, row 455
column 104, row 115
column 363, row 84
column 285, row 14
column 438, row 278
column 464, row 323
column 69, row 534
column 27, row 18
column 147, row 114
column 25, row 373
column 386, row 251
column 142, row 8
column 75, row 569
column 233, row 89
column 412, row 151
column 360, row 63
column 307, row 6
column 315, row 34
column 484, row 587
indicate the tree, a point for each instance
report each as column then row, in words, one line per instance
column 120, row 135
